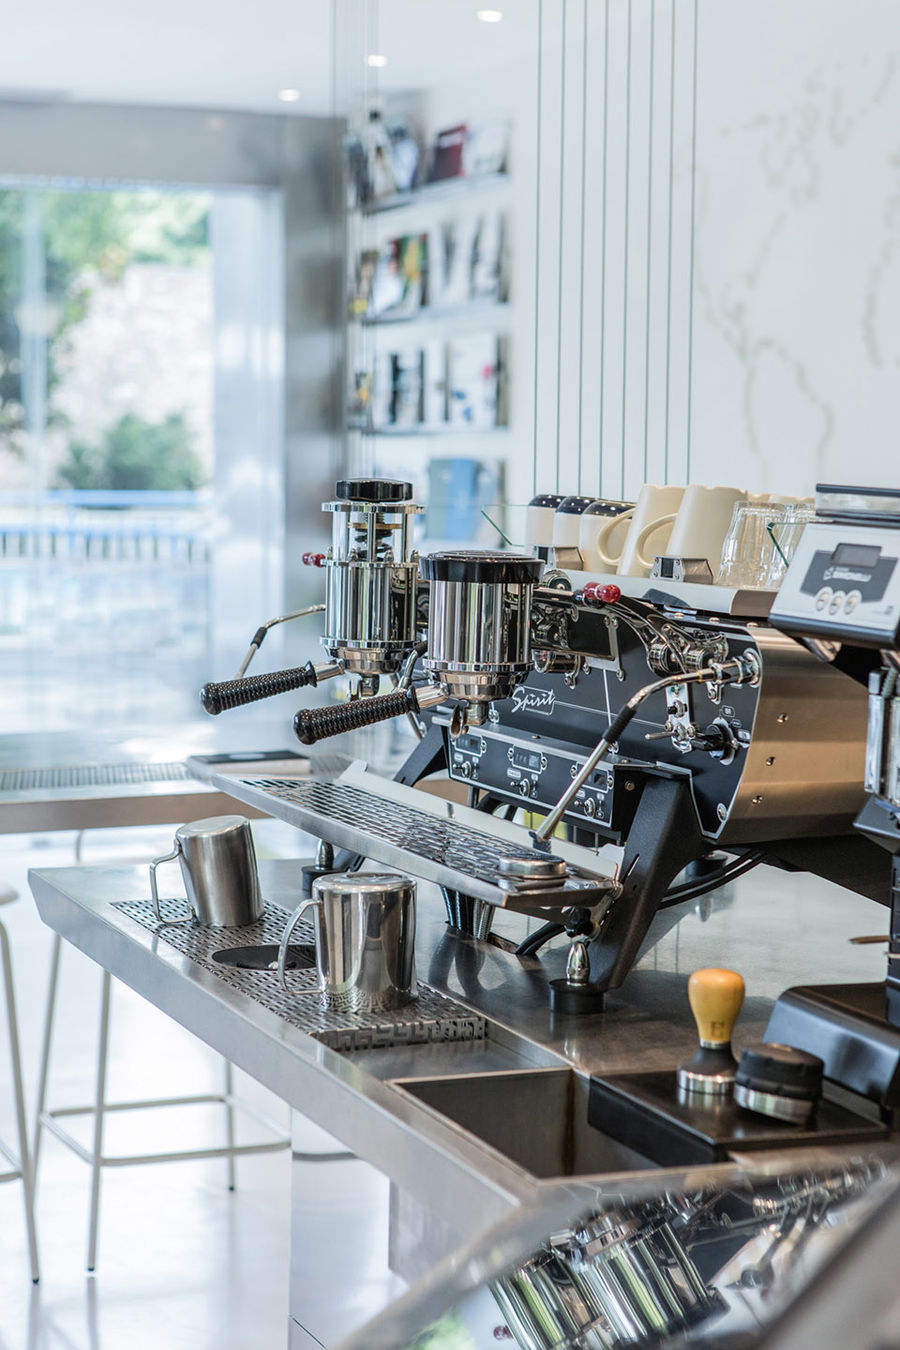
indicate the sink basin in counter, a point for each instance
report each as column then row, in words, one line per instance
column 536, row 1118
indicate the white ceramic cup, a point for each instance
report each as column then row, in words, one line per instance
column 540, row 514
column 592, row 523
column 698, row 527
column 567, row 520
column 649, row 520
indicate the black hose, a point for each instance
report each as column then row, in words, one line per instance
column 537, row 939
column 693, row 890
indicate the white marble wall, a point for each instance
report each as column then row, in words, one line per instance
column 797, row 271
column 749, row 329
column 706, row 279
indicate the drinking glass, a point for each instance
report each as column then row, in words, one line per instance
column 749, row 553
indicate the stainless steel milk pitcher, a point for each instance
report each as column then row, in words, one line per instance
column 365, row 928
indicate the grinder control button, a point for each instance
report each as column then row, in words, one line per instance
column 853, row 599
column 823, row 597
column 837, row 603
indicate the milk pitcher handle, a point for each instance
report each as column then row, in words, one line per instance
column 286, row 938
column 154, row 894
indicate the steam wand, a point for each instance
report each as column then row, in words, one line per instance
column 260, row 634
column 217, row 697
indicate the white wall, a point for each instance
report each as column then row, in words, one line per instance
column 797, row 274
column 707, row 242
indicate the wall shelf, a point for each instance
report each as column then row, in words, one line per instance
column 472, row 309
column 428, row 192
column 440, row 429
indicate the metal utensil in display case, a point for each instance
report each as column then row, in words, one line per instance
column 722, row 1258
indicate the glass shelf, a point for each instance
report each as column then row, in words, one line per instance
column 437, row 313
column 444, row 187
column 440, row 429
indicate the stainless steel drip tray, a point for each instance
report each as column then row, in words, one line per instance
column 430, row 837
column 431, row 1017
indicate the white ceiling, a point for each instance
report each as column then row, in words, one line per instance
column 235, row 54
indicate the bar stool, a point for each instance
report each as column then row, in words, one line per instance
column 94, row 1156
column 21, row 1164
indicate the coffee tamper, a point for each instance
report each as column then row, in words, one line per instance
column 715, row 997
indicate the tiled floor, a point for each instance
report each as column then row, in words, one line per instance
column 182, row 1261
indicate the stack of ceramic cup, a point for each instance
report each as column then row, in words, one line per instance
column 747, row 540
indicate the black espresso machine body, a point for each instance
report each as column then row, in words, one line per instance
column 667, row 724
column 780, row 758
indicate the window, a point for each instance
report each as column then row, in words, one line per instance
column 110, row 520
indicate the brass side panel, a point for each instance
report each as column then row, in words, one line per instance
column 806, row 760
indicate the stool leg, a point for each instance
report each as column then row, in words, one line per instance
column 15, row 1058
column 99, row 1106
column 49, row 1015
column 229, row 1122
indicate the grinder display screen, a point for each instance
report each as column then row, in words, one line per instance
column 855, row 555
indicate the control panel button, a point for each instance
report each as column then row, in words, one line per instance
column 823, row 598
column 852, row 600
column 524, row 788
column 837, row 603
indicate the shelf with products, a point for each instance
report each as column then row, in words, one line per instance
column 499, row 310
column 441, row 429
column 440, row 190
column 445, row 384
column 430, row 317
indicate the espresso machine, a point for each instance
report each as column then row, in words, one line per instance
column 617, row 753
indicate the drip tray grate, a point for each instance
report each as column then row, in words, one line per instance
column 90, row 775
column 432, row 1017
column 437, row 840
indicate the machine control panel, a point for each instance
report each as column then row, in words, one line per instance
column 533, row 770
column 843, row 582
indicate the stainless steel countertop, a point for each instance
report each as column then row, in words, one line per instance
column 52, row 806
column 777, row 929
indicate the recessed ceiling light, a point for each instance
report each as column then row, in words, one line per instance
column 376, row 60
column 489, row 15
column 289, row 95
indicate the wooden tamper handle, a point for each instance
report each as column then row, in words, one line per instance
column 716, row 997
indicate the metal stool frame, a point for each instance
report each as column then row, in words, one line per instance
column 21, row 1163
column 95, row 1157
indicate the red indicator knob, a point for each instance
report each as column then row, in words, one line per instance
column 597, row 594
column 313, row 559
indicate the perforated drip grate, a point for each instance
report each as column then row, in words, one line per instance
column 473, row 853
column 90, row 775
column 432, row 1017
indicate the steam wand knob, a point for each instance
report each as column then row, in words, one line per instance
column 716, row 997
